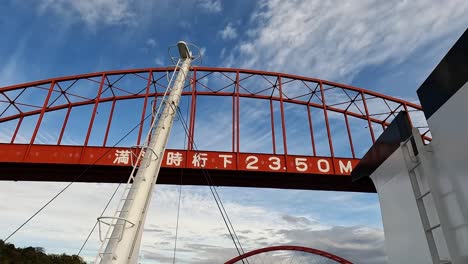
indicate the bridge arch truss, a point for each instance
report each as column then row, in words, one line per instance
column 280, row 124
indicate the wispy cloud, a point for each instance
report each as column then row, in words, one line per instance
column 151, row 43
column 202, row 234
column 333, row 42
column 210, row 6
column 91, row 12
column 158, row 62
column 229, row 32
column 358, row 244
column 12, row 70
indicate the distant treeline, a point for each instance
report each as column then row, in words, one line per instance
column 9, row 254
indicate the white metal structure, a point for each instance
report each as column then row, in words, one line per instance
column 409, row 218
column 412, row 163
column 423, row 188
column 121, row 242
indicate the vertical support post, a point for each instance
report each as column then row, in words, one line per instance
column 39, row 120
column 65, row 122
column 349, row 136
column 273, row 138
column 155, row 103
column 283, row 123
column 233, row 148
column 368, row 117
column 311, row 128
column 41, row 115
column 93, row 115
column 16, row 129
column 145, row 102
column 193, row 109
column 238, row 116
column 111, row 114
column 327, row 124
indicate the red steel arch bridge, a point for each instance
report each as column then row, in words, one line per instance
column 290, row 254
column 246, row 127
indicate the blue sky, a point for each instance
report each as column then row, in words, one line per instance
column 389, row 47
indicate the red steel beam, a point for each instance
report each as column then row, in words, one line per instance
column 16, row 129
column 213, row 69
column 41, row 115
column 125, row 97
column 142, row 122
column 93, row 115
column 311, row 128
column 367, row 117
column 327, row 124
column 215, row 160
column 109, row 121
column 65, row 122
column 273, row 138
column 349, row 135
column 237, row 114
column 235, row 98
column 283, row 123
column 289, row 248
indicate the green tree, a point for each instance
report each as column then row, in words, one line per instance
column 9, row 254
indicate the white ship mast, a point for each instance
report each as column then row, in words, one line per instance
column 121, row 243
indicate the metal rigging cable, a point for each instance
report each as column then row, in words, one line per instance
column 177, row 222
column 216, row 196
column 180, row 198
column 97, row 222
column 73, row 181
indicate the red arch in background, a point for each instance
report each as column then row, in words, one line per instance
column 289, row 248
column 318, row 94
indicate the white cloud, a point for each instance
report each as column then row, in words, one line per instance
column 229, row 32
column 151, row 43
column 92, row 12
column 202, row 235
column 211, row 6
column 222, row 53
column 202, row 51
column 12, row 68
column 336, row 41
column 158, row 61
column 357, row 244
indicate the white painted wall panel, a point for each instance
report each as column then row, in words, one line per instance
column 405, row 241
column 449, row 129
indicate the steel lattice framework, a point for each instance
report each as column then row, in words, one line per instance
column 312, row 131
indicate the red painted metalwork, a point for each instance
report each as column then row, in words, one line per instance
column 289, row 248
column 16, row 129
column 327, row 123
column 41, row 115
column 211, row 160
column 349, row 135
column 143, row 114
column 272, row 118
column 65, row 121
column 278, row 93
column 109, row 124
column 283, row 123
column 91, row 122
column 238, row 114
column 311, row 128
column 367, row 115
column 193, row 104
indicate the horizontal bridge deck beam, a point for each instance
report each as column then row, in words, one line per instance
column 107, row 164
